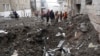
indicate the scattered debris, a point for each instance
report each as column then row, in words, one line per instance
column 3, row 31
column 58, row 34
column 83, row 27
column 63, row 34
column 39, row 30
column 15, row 53
column 80, row 46
column 34, row 39
column 61, row 43
column 91, row 45
column 60, row 28
column 77, row 34
column 47, row 38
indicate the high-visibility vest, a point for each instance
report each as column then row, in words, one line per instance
column 65, row 15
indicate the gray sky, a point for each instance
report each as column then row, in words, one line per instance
column 52, row 3
column 51, row 0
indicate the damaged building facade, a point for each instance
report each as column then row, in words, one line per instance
column 37, row 5
column 21, row 6
column 90, row 7
column 73, row 7
column 93, row 10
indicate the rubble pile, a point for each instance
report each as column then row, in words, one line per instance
column 75, row 37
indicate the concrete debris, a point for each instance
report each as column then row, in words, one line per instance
column 63, row 34
column 3, row 31
column 80, row 45
column 47, row 54
column 91, row 45
column 53, row 50
column 58, row 34
column 83, row 27
column 77, row 34
column 63, row 51
column 61, row 43
column 66, row 52
column 39, row 30
column 69, row 50
column 60, row 28
column 15, row 53
column 47, row 38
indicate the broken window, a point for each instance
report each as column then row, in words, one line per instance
column 88, row 2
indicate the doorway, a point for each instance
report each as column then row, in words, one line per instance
column 78, row 7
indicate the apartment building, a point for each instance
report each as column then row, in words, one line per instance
column 21, row 6
column 92, row 8
column 38, row 5
column 74, row 6
column 4, row 6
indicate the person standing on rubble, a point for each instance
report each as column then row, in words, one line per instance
column 52, row 16
column 36, row 14
column 65, row 16
column 56, row 16
column 47, row 16
column 61, row 15
column 42, row 15
column 16, row 15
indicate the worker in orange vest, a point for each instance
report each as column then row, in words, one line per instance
column 65, row 16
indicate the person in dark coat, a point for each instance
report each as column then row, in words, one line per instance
column 16, row 14
column 52, row 16
column 47, row 16
column 61, row 15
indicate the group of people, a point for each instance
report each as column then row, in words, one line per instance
column 54, row 16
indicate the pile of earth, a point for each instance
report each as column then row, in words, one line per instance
column 30, row 40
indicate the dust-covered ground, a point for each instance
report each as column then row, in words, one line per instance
column 29, row 36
